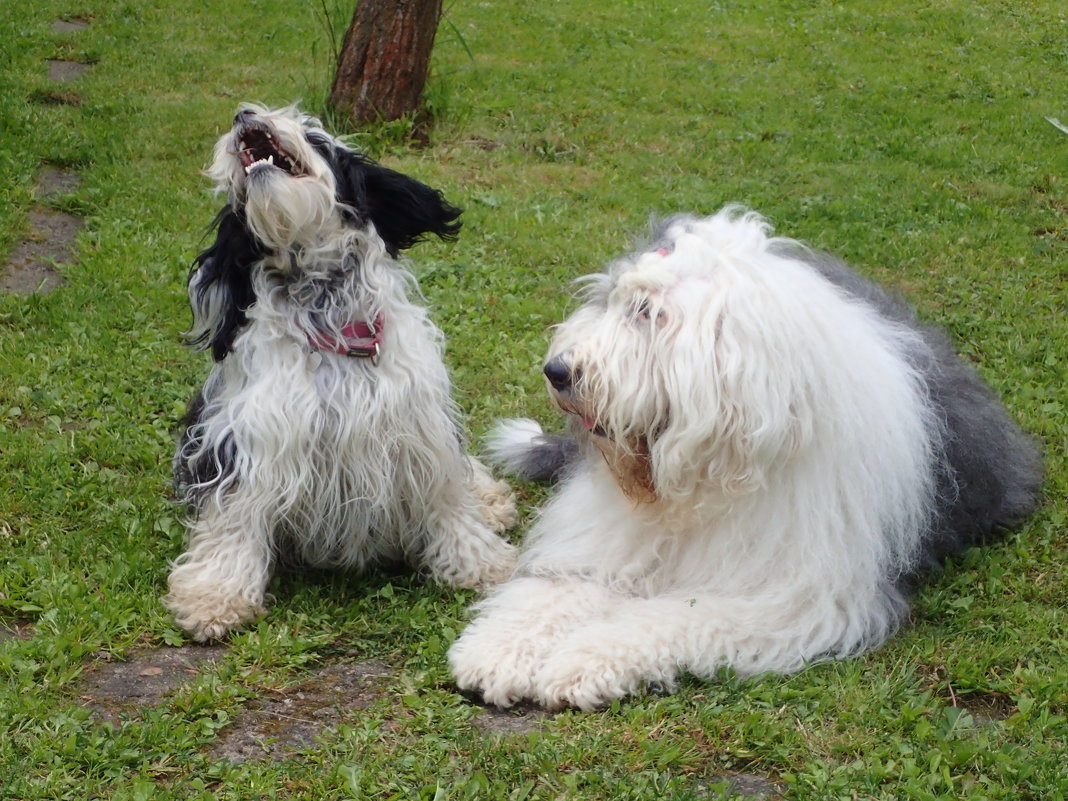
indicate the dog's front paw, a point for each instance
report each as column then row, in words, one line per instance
column 495, row 498
column 590, row 675
column 477, row 559
column 497, row 668
column 498, row 507
column 211, row 617
column 583, row 686
column 496, row 564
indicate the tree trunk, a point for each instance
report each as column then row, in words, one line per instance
column 384, row 59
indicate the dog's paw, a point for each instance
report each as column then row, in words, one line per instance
column 476, row 561
column 207, row 618
column 491, row 568
column 590, row 675
column 497, row 563
column 498, row 508
column 498, row 669
column 495, row 498
column 583, row 686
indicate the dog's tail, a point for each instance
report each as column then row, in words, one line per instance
column 521, row 448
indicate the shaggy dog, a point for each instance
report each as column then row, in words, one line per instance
column 325, row 434
column 772, row 449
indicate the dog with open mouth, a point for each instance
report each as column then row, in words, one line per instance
column 325, row 434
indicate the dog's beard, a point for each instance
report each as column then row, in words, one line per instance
column 627, row 455
column 283, row 211
column 632, row 466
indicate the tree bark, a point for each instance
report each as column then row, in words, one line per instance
column 384, row 59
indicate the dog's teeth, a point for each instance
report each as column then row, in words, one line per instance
column 269, row 160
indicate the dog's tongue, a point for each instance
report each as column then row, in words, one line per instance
column 588, row 423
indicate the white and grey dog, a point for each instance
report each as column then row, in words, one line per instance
column 325, row 434
column 770, row 450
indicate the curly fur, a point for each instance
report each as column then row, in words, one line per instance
column 292, row 451
column 770, row 449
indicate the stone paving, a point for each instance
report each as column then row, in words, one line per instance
column 35, row 264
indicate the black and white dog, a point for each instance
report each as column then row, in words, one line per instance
column 325, row 434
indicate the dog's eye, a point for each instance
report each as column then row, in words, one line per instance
column 643, row 312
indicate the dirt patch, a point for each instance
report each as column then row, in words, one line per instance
column 987, row 708
column 54, row 98
column 15, row 630
column 484, row 144
column 63, row 71
column 285, row 721
column 51, row 240
column 748, row 786
column 69, row 25
column 56, row 182
column 521, row 719
column 113, row 688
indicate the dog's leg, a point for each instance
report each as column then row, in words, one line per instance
column 641, row 643
column 516, row 628
column 461, row 549
column 219, row 583
column 495, row 496
column 460, row 509
column 647, row 642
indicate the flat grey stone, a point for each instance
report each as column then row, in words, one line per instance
column 280, row 722
column 56, row 182
column 69, row 25
column 63, row 71
column 51, row 241
column 111, row 688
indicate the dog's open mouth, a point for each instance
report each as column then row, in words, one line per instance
column 589, row 422
column 593, row 426
column 258, row 149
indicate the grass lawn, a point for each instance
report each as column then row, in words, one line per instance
column 909, row 137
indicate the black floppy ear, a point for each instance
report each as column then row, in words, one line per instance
column 220, row 285
column 402, row 209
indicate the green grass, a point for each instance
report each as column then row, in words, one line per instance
column 908, row 137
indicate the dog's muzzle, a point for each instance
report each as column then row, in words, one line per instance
column 559, row 374
column 562, row 378
column 257, row 146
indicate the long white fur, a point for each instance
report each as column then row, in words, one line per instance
column 510, row 443
column 787, row 504
column 339, row 462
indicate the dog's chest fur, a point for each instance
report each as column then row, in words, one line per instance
column 334, row 442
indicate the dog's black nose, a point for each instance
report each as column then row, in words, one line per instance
column 244, row 115
column 558, row 373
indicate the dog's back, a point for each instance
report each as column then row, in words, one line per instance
column 989, row 472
